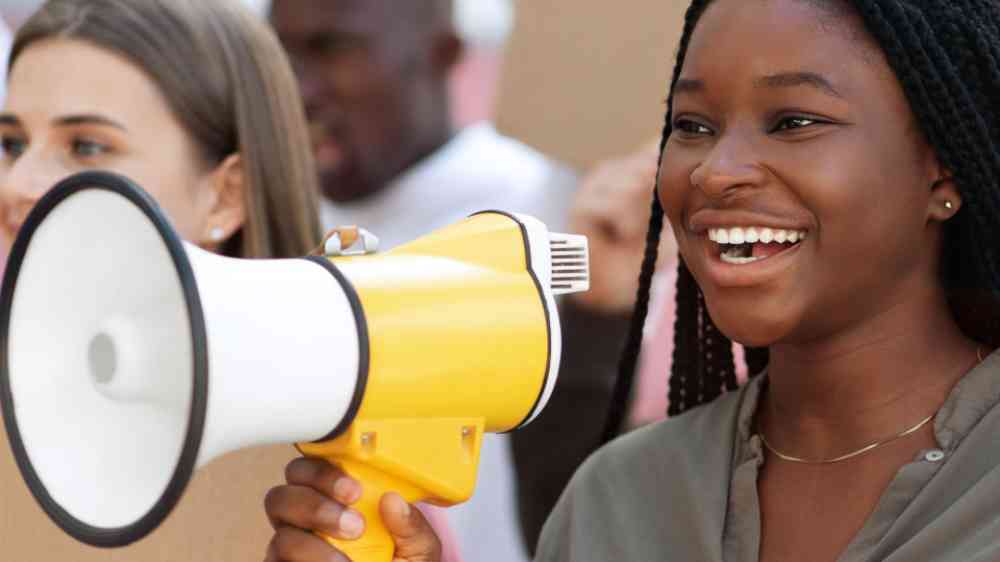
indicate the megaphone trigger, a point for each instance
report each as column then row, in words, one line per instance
column 435, row 462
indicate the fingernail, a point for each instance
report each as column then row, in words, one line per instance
column 393, row 497
column 351, row 524
column 345, row 490
column 329, row 514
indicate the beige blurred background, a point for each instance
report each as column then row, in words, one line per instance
column 586, row 79
column 583, row 80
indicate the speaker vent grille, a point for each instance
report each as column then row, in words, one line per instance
column 570, row 263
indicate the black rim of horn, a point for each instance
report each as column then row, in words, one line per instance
column 118, row 536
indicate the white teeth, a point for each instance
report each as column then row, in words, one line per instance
column 736, row 236
column 738, row 261
column 754, row 234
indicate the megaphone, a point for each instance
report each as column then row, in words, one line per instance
column 128, row 358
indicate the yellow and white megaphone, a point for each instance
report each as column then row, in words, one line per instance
column 129, row 358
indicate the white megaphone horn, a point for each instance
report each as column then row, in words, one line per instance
column 128, row 358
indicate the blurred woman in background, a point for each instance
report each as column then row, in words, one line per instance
column 196, row 102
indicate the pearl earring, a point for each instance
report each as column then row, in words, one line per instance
column 216, row 234
column 949, row 205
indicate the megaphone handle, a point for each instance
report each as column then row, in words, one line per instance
column 376, row 544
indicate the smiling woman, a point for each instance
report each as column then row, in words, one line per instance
column 831, row 179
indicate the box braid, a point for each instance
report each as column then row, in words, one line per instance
column 633, row 342
column 946, row 56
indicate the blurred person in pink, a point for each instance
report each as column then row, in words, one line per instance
column 484, row 26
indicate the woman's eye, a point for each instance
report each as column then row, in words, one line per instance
column 12, row 147
column 690, row 127
column 87, row 148
column 792, row 123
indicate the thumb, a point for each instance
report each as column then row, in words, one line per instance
column 414, row 537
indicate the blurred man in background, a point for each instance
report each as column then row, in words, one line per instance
column 375, row 81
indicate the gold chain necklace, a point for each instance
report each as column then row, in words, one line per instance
column 862, row 450
column 850, row 455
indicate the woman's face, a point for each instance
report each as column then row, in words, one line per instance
column 788, row 124
column 72, row 106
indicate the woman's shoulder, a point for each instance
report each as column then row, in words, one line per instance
column 663, row 486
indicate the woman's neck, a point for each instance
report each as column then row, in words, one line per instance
column 825, row 397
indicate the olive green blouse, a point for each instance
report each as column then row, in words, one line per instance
column 686, row 489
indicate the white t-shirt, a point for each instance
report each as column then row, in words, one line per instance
column 477, row 170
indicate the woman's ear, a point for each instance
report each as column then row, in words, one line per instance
column 226, row 212
column 945, row 200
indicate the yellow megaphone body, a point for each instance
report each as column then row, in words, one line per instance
column 474, row 305
column 129, row 358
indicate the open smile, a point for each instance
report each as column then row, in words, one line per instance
column 743, row 246
column 749, row 256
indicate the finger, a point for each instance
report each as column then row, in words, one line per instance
column 414, row 537
column 296, row 545
column 323, row 477
column 305, row 508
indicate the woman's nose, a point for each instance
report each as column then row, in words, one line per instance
column 22, row 183
column 731, row 166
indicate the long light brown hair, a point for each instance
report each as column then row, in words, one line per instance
column 230, row 85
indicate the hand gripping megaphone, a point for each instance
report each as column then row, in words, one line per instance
column 129, row 358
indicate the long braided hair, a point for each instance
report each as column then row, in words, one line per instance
column 946, row 56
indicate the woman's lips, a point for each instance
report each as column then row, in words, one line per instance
column 13, row 219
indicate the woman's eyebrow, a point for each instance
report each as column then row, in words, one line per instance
column 795, row 79
column 84, row 119
column 780, row 80
column 12, row 120
column 688, row 85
